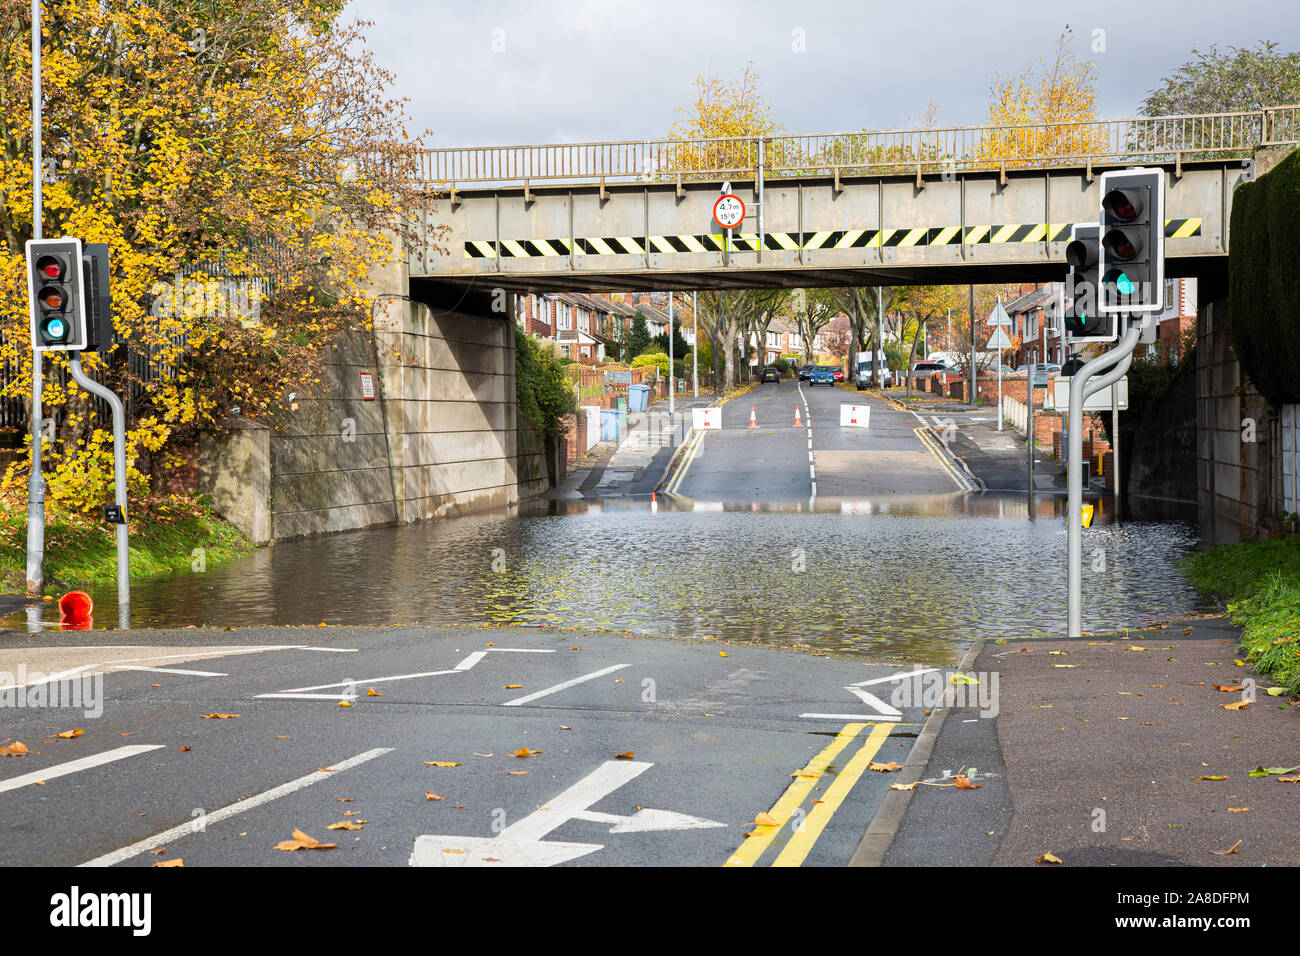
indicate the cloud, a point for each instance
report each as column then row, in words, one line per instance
column 586, row 70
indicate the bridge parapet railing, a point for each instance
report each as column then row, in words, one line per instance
column 928, row 150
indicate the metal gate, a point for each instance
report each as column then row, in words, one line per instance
column 1290, row 458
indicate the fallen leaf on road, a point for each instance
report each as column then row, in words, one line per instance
column 885, row 767
column 15, row 749
column 477, row 754
column 343, row 825
column 344, row 799
column 185, row 749
column 371, row 692
column 630, row 755
column 1231, row 849
column 1048, row 858
column 516, row 773
column 1295, row 779
column 722, row 653
column 902, row 786
column 67, row 734
column 513, row 687
column 525, row 752
column 159, row 852
column 432, row 796
column 1230, row 687
column 962, row 782
column 765, row 820
column 1275, row 691
column 1224, row 777
column 1271, row 771
column 1135, row 647
column 1238, row 705
column 807, row 774
column 345, row 703
column 1238, row 809
column 176, row 862
column 217, row 716
column 302, row 841
column 441, row 763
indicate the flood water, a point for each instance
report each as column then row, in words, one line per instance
column 896, row 579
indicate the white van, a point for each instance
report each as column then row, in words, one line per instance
column 862, row 370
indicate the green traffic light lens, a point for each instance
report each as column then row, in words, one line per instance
column 1120, row 281
column 56, row 330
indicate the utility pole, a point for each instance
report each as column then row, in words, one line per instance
column 35, row 480
column 695, row 353
column 971, row 397
column 672, row 379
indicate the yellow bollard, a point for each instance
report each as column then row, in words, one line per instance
column 1087, row 516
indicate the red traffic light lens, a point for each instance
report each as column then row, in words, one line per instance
column 50, row 267
column 1123, row 204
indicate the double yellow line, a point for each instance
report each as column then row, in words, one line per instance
column 942, row 457
column 812, row 823
column 688, row 455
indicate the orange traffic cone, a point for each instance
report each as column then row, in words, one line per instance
column 797, row 421
column 753, row 419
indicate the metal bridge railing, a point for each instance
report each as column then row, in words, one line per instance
column 869, row 152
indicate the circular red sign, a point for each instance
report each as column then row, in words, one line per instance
column 728, row 211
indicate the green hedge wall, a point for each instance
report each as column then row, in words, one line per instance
column 1264, row 280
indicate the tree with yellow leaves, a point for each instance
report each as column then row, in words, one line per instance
column 1043, row 111
column 245, row 140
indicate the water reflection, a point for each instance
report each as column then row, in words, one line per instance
column 902, row 578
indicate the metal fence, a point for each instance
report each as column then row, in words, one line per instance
column 930, row 150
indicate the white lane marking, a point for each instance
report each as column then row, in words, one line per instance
column 521, row 843
column 559, row 687
column 168, row 670
column 876, row 717
column 305, row 693
column 197, row 654
column 811, row 472
column 231, row 809
column 74, row 766
column 901, row 675
column 331, row 650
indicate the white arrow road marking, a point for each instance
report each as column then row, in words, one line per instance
column 305, row 693
column 73, row 766
column 521, row 843
column 883, row 711
column 231, row 809
column 168, row 670
column 528, row 698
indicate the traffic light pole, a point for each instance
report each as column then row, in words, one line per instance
column 1112, row 365
column 35, row 480
column 119, row 485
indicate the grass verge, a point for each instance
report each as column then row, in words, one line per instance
column 171, row 535
column 1260, row 583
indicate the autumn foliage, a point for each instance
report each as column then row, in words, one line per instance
column 213, row 147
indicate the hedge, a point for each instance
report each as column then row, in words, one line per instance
column 1263, row 284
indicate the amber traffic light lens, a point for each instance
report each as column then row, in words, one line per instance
column 52, row 298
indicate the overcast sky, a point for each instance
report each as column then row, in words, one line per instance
column 549, row 71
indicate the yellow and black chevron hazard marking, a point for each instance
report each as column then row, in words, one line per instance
column 996, row 234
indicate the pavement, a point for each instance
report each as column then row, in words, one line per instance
column 1115, row 750
column 632, row 467
column 425, row 746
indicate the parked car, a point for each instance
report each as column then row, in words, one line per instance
column 822, row 375
column 770, row 374
column 805, row 372
column 925, row 368
column 839, row 374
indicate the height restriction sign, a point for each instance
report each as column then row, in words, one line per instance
column 728, row 211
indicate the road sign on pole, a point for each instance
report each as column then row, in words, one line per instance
column 728, row 211
column 998, row 340
column 999, row 315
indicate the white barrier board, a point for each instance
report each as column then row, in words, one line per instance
column 710, row 417
column 855, row 416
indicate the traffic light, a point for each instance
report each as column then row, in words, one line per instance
column 99, row 313
column 1132, row 241
column 56, row 295
column 1083, row 322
